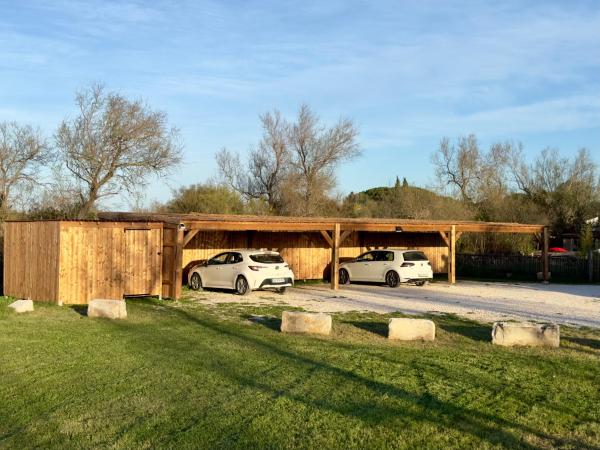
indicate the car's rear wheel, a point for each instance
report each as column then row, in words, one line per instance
column 392, row 279
column 344, row 277
column 195, row 282
column 281, row 290
column 241, row 286
column 421, row 282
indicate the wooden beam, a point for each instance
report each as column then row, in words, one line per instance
column 335, row 257
column 326, row 236
column 458, row 235
column 452, row 256
column 177, row 265
column 444, row 236
column 545, row 260
column 345, row 235
column 189, row 236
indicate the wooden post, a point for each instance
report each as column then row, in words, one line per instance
column 335, row 257
column 591, row 266
column 177, row 264
column 452, row 256
column 545, row 260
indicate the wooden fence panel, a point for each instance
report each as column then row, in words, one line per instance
column 31, row 260
column 565, row 268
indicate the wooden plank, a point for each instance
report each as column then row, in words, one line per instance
column 545, row 256
column 177, row 266
column 445, row 238
column 31, row 266
column 452, row 256
column 345, row 235
column 327, row 237
column 189, row 236
column 335, row 254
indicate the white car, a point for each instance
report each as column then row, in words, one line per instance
column 389, row 266
column 243, row 271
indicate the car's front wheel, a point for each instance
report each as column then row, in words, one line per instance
column 195, row 282
column 281, row 290
column 392, row 279
column 241, row 286
column 344, row 277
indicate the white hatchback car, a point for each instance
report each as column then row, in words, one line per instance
column 243, row 271
column 390, row 266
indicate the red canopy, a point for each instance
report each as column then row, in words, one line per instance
column 557, row 250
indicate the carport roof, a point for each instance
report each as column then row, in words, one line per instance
column 196, row 221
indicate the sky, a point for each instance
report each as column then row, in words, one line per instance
column 407, row 72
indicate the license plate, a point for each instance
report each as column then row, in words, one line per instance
column 278, row 280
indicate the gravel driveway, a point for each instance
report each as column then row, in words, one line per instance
column 577, row 305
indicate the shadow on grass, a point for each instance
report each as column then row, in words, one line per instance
column 585, row 342
column 378, row 328
column 273, row 323
column 471, row 330
column 423, row 408
column 80, row 309
column 426, row 408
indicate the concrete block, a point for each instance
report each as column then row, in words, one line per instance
column 302, row 322
column 111, row 309
column 405, row 329
column 525, row 334
column 22, row 306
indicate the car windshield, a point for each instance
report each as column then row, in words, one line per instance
column 414, row 256
column 267, row 258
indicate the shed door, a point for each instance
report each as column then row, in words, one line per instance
column 143, row 262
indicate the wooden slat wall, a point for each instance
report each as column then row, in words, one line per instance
column 168, row 260
column 105, row 260
column 208, row 243
column 31, row 260
column 143, row 262
column 308, row 254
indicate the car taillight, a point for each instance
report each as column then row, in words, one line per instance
column 256, row 268
column 286, row 266
column 407, row 264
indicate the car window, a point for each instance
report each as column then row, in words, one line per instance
column 219, row 259
column 366, row 257
column 267, row 258
column 234, row 258
column 385, row 256
column 414, row 256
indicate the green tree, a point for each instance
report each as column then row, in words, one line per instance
column 205, row 198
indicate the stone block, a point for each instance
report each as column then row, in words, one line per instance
column 511, row 334
column 22, row 306
column 406, row 329
column 111, row 309
column 302, row 322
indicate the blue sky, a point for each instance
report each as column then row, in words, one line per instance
column 408, row 73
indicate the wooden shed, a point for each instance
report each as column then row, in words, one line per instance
column 72, row 262
column 126, row 254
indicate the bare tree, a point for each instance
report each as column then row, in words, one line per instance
column 113, row 145
column 567, row 189
column 267, row 164
column 459, row 167
column 293, row 167
column 316, row 151
column 22, row 153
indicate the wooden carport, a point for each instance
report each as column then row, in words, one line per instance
column 334, row 231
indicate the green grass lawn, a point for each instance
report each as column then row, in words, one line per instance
column 187, row 375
